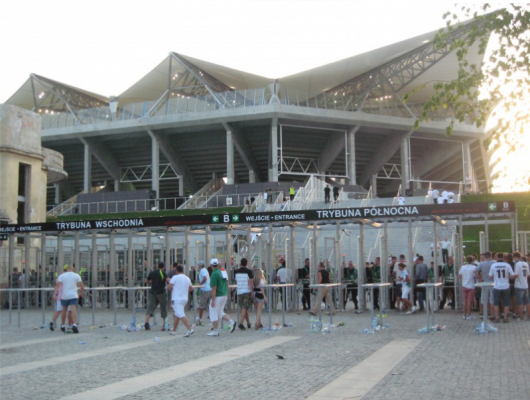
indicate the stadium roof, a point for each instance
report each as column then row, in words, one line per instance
column 189, row 76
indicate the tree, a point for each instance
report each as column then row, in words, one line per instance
column 499, row 89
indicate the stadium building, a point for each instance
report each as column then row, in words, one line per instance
column 192, row 135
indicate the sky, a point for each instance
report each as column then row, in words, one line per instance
column 105, row 46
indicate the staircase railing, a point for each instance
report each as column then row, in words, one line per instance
column 368, row 197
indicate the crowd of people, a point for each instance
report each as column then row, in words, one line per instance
column 508, row 272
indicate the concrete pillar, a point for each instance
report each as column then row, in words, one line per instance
column 155, row 163
column 116, row 185
column 374, row 185
column 274, row 151
column 405, row 164
column 181, row 185
column 351, row 156
column 467, row 167
column 251, row 176
column 229, row 158
column 87, row 172
column 57, row 199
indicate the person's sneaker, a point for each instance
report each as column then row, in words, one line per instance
column 414, row 309
column 233, row 326
column 242, row 327
column 408, row 312
column 199, row 322
column 312, row 313
column 464, row 317
column 146, row 326
column 189, row 333
column 249, row 325
column 163, row 329
column 51, row 327
column 74, row 328
column 213, row 333
column 63, row 328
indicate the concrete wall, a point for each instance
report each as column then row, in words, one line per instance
column 20, row 142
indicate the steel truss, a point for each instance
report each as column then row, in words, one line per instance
column 144, row 173
column 390, row 171
column 50, row 97
column 376, row 91
column 306, row 166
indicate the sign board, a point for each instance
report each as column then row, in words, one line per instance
column 353, row 213
column 3, row 237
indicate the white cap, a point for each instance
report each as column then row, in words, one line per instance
column 214, row 261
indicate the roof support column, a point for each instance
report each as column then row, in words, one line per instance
column 87, row 171
column 229, row 158
column 181, row 186
column 351, row 155
column 405, row 164
column 467, row 167
column 374, row 185
column 155, row 162
column 57, row 193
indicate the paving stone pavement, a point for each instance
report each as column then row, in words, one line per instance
column 451, row 364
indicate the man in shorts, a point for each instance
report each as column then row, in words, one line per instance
column 468, row 277
column 501, row 272
column 180, row 286
column 245, row 292
column 59, row 308
column 69, row 282
column 205, row 292
column 521, row 286
column 157, row 295
column 219, row 285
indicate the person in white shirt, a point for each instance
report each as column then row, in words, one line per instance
column 521, row 286
column 69, row 281
column 445, row 195
column 468, row 277
column 180, row 286
column 206, row 291
column 435, row 195
column 440, row 200
column 501, row 272
column 401, row 201
column 446, row 246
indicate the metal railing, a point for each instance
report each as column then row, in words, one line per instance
column 234, row 99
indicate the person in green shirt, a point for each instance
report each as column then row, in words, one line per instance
column 350, row 278
column 448, row 272
column 219, row 285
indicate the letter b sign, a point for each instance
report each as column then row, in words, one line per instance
column 226, row 218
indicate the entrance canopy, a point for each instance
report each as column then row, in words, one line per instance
column 361, row 215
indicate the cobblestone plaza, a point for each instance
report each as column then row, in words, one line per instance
column 105, row 362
